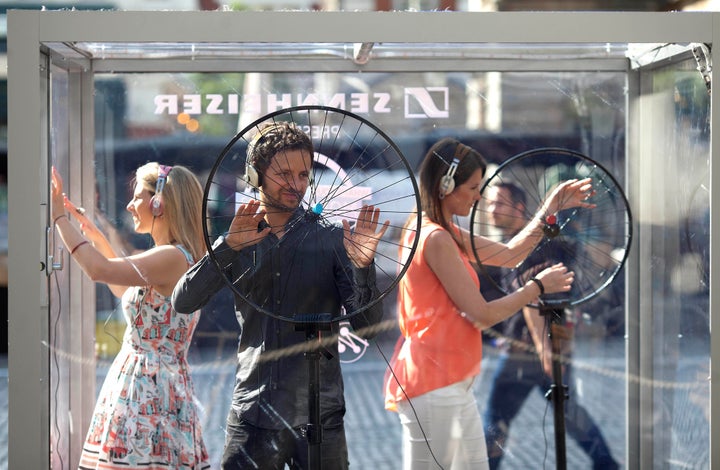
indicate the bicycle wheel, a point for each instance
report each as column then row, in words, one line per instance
column 594, row 243
column 355, row 163
column 697, row 230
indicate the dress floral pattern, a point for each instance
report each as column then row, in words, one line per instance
column 145, row 416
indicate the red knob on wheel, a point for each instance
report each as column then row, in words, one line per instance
column 551, row 219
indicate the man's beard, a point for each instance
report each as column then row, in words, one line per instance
column 279, row 206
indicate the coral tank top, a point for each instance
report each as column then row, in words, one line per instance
column 438, row 346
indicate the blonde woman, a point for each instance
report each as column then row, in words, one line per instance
column 145, row 416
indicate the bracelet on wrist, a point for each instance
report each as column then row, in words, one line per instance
column 58, row 218
column 84, row 242
column 539, row 284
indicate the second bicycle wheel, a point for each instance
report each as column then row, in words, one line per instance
column 355, row 163
column 594, row 243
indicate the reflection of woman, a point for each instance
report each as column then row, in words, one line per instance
column 145, row 416
column 441, row 311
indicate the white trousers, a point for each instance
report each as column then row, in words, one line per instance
column 442, row 429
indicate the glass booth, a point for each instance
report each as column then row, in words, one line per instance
column 97, row 94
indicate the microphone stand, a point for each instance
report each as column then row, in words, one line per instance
column 558, row 392
column 312, row 325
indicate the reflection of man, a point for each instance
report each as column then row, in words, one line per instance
column 518, row 370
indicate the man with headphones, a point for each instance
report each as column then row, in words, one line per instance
column 281, row 254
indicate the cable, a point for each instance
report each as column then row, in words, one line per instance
column 545, row 332
column 545, row 438
column 106, row 330
column 402, row 389
column 56, row 392
column 392, row 372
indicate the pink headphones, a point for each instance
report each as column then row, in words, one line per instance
column 156, row 204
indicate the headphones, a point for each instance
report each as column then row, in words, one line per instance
column 252, row 176
column 447, row 182
column 156, row 204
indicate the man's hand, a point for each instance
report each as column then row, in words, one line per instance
column 361, row 242
column 243, row 231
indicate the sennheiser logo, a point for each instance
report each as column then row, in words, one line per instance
column 427, row 102
column 419, row 103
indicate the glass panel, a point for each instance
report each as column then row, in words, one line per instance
column 675, row 293
column 187, row 119
column 62, row 336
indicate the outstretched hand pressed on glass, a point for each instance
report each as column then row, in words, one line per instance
column 243, row 230
column 87, row 226
column 361, row 241
column 247, row 229
column 569, row 194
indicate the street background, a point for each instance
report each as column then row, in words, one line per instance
column 374, row 434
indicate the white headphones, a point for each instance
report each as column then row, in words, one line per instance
column 447, row 182
column 252, row 176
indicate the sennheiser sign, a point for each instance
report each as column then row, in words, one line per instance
column 418, row 103
column 427, row 102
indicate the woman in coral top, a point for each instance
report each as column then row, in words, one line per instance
column 441, row 311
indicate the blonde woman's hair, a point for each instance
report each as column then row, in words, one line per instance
column 181, row 202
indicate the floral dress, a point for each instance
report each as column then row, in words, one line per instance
column 145, row 416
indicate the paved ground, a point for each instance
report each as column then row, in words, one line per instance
column 374, row 434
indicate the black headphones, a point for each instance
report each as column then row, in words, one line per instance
column 156, row 204
column 447, row 182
